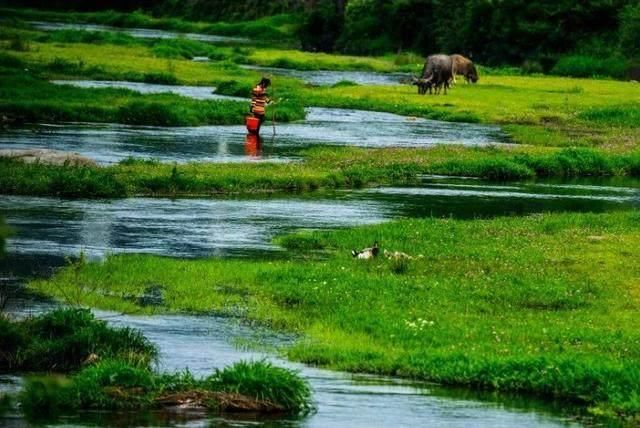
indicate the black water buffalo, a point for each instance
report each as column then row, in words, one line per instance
column 437, row 73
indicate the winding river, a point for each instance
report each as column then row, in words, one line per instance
column 49, row 229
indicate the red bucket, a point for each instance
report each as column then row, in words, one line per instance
column 253, row 124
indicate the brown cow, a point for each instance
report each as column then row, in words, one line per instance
column 464, row 67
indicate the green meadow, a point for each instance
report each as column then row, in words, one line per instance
column 543, row 304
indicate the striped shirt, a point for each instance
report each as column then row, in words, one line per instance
column 258, row 100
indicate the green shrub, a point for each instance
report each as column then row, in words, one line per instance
column 263, row 381
column 591, row 66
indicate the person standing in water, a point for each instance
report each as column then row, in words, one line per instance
column 259, row 99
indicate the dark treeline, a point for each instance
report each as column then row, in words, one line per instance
column 533, row 33
column 529, row 33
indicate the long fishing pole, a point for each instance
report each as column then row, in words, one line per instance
column 273, row 111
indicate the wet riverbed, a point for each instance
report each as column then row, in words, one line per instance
column 110, row 143
column 142, row 33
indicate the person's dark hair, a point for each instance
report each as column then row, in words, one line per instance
column 265, row 82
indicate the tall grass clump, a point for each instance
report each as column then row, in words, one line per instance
column 265, row 382
column 63, row 339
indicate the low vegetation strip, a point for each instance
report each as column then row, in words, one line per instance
column 321, row 168
column 542, row 304
column 256, row 387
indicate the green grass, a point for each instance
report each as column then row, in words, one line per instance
column 118, row 385
column 535, row 110
column 276, row 28
column 543, row 304
column 28, row 98
column 62, row 339
column 265, row 382
column 321, row 168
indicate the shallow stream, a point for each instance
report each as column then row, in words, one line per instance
column 111, row 143
column 142, row 33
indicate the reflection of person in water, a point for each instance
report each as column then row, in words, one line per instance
column 253, row 145
column 259, row 99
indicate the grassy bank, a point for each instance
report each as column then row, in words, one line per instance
column 27, row 96
column 256, row 387
column 543, row 304
column 63, row 340
column 277, row 28
column 322, row 168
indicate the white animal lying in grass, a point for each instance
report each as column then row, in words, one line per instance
column 366, row 253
